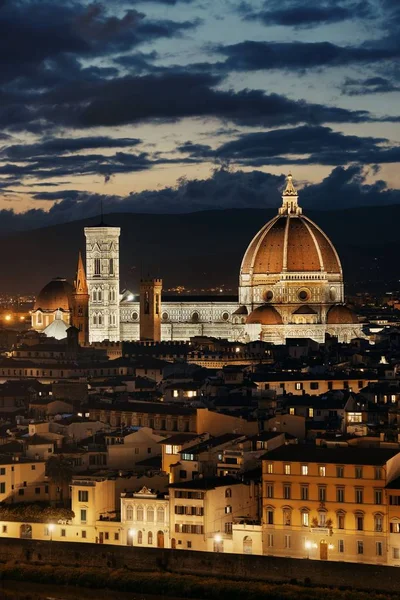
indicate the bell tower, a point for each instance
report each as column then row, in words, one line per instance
column 102, row 271
column 150, row 310
column 80, row 304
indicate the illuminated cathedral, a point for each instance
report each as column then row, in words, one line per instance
column 290, row 286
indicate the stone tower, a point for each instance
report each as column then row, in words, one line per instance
column 150, row 310
column 80, row 304
column 102, row 272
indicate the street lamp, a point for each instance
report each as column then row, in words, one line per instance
column 51, row 529
column 308, row 546
column 131, row 533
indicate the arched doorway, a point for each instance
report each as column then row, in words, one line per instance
column 173, row 544
column 247, row 545
column 160, row 539
column 218, row 545
column 323, row 550
column 25, row 532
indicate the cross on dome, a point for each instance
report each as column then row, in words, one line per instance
column 289, row 199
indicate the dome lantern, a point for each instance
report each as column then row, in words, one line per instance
column 290, row 199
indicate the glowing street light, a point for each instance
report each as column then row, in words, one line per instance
column 51, row 529
column 218, row 538
column 131, row 533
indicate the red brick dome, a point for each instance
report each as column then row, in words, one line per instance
column 341, row 315
column 264, row 315
column 290, row 243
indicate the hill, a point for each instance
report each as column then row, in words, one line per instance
column 200, row 249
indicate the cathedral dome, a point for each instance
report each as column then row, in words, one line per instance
column 264, row 315
column 56, row 294
column 340, row 314
column 290, row 242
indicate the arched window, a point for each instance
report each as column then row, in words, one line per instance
column 247, row 545
column 99, row 295
column 359, row 519
column 139, row 513
column 195, row 317
column 140, row 537
column 378, row 522
column 150, row 538
column 39, row 318
column 160, row 514
column 228, row 493
column 94, row 295
column 94, row 319
column 129, row 513
column 150, row 514
column 269, row 515
column 111, row 266
column 97, row 266
column 100, row 320
column 340, row 520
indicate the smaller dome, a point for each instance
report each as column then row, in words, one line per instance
column 341, row 315
column 304, row 310
column 57, row 294
column 264, row 315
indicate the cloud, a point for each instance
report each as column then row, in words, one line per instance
column 299, row 145
column 306, row 13
column 33, row 32
column 300, row 56
column 371, row 85
column 342, row 188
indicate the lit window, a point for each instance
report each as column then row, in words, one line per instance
column 395, row 527
column 287, row 517
column 305, row 520
column 304, row 469
column 175, row 393
column 322, row 471
column 291, row 411
column 168, row 449
column 175, row 449
column 311, row 413
column 299, row 386
column 287, row 469
column 270, row 468
column 353, row 417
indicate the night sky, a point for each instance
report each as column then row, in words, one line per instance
column 176, row 105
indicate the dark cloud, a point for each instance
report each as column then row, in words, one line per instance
column 343, row 188
column 371, row 85
column 306, row 13
column 300, row 145
column 298, row 56
column 35, row 31
column 346, row 188
column 59, row 146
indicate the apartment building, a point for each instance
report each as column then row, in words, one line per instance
column 203, row 511
column 22, row 479
column 328, row 503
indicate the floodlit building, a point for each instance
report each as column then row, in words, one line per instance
column 290, row 286
column 328, row 503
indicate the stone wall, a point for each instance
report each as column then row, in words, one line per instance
column 256, row 568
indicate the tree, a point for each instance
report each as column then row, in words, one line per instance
column 59, row 471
